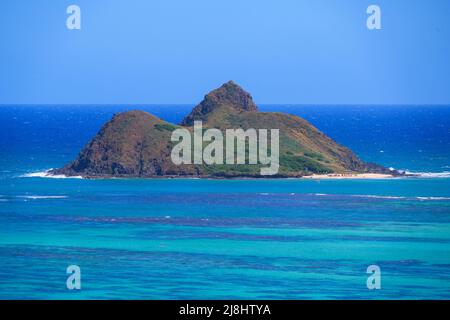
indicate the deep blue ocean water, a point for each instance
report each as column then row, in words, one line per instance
column 211, row 239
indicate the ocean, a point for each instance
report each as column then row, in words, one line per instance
column 226, row 239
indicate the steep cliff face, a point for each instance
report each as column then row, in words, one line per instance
column 137, row 144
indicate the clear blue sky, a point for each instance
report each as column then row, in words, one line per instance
column 174, row 51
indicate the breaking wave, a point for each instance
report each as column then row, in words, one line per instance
column 444, row 174
column 46, row 174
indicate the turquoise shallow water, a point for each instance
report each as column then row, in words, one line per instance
column 217, row 239
column 225, row 239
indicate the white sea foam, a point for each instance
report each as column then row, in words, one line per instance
column 376, row 196
column 47, row 174
column 388, row 197
column 34, row 197
column 444, row 174
column 399, row 197
column 433, row 198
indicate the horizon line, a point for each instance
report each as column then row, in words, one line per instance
column 259, row 104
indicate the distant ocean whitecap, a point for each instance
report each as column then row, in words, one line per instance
column 385, row 197
column 433, row 198
column 376, row 196
column 34, row 197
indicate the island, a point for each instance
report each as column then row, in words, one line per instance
column 138, row 144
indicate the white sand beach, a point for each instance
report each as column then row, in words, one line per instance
column 349, row 176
